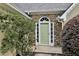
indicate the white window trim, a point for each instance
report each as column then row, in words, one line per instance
column 36, row 34
column 52, row 44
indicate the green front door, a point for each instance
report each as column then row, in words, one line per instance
column 44, row 33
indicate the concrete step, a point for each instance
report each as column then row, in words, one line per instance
column 42, row 54
column 48, row 49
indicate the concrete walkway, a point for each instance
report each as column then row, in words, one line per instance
column 47, row 50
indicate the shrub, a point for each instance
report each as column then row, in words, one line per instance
column 71, row 37
column 19, row 33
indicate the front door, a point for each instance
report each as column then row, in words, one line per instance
column 44, row 33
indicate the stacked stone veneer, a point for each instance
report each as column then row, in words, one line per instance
column 57, row 27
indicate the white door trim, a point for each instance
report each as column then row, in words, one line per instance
column 49, row 23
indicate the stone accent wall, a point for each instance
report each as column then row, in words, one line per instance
column 57, row 26
column 58, row 33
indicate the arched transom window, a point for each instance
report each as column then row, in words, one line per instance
column 44, row 18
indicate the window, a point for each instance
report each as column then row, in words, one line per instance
column 51, row 33
column 37, row 32
column 44, row 19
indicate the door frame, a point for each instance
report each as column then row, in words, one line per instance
column 49, row 23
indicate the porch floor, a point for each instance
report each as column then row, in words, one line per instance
column 48, row 49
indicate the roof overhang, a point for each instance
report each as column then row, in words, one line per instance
column 18, row 10
column 42, row 8
column 25, row 11
column 68, row 10
column 45, row 12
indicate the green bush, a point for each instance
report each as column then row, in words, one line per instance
column 71, row 37
column 19, row 33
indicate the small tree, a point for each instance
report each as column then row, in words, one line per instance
column 19, row 33
column 71, row 37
